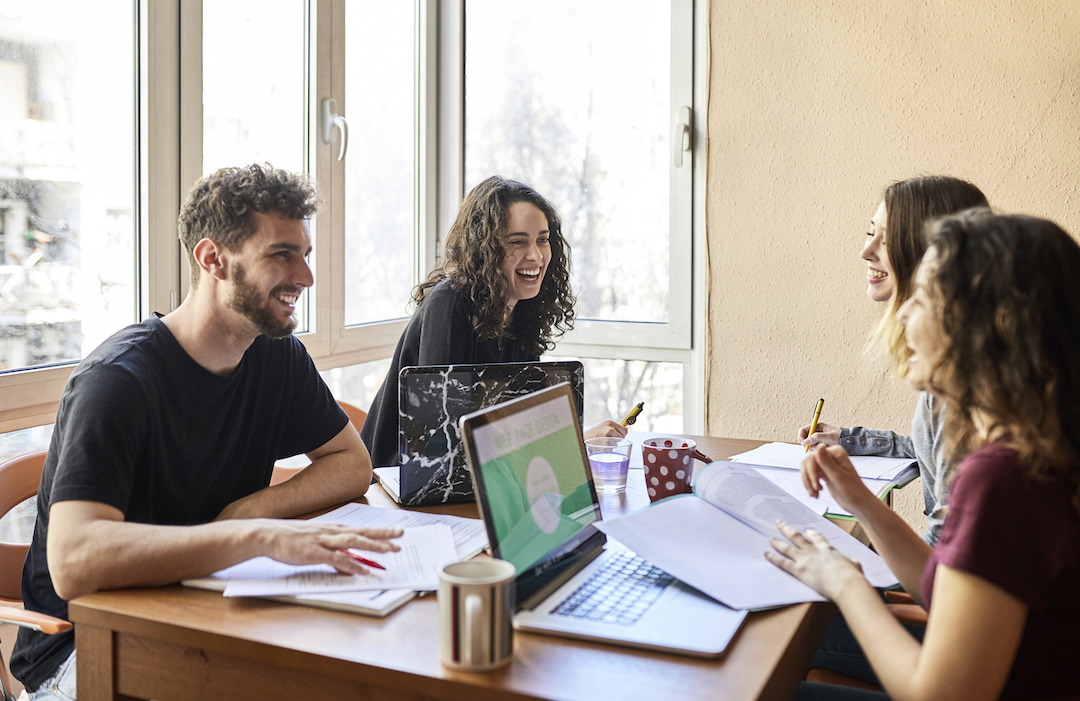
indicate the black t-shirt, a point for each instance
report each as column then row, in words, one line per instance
column 442, row 331
column 144, row 428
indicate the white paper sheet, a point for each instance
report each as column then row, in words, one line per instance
column 791, row 482
column 790, row 457
column 722, row 553
column 469, row 534
column 424, row 550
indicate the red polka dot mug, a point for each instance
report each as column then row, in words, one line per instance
column 669, row 466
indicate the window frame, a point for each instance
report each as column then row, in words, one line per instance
column 169, row 158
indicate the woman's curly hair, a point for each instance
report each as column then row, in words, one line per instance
column 472, row 262
column 1009, row 294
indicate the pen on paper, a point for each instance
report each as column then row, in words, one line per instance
column 632, row 416
column 361, row 560
column 813, row 424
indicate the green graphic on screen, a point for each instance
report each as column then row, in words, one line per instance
column 539, row 495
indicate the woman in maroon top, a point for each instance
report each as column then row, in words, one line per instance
column 994, row 330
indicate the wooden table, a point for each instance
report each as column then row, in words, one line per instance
column 179, row 643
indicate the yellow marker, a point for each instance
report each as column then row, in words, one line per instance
column 632, row 416
column 813, row 424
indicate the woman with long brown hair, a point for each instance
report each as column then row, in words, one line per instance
column 501, row 294
column 992, row 327
column 895, row 243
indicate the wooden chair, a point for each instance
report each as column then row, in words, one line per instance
column 19, row 479
column 357, row 417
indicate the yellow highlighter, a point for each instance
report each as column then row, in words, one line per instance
column 632, row 416
column 813, row 424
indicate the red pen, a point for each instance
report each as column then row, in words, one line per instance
column 361, row 560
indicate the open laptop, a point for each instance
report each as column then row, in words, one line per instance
column 539, row 505
column 432, row 399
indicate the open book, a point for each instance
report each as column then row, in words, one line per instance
column 715, row 539
column 780, row 462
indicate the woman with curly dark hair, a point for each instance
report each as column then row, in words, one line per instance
column 500, row 295
column 992, row 326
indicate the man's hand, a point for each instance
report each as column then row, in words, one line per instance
column 313, row 543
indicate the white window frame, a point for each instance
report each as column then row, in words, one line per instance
column 170, row 160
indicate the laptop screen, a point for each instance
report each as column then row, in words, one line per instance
column 535, row 487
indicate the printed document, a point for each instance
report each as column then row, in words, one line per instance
column 424, row 551
column 715, row 539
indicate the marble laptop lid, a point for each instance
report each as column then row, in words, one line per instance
column 432, row 399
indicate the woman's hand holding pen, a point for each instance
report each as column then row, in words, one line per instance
column 825, row 435
column 606, row 429
column 832, row 467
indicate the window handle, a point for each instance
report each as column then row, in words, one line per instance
column 329, row 120
column 681, row 142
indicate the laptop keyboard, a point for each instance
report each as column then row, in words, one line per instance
column 620, row 592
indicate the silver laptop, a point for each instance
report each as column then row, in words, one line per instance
column 539, row 505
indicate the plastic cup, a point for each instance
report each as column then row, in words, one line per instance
column 609, row 460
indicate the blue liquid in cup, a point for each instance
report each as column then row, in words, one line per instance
column 609, row 471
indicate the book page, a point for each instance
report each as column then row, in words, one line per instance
column 748, row 496
column 709, row 550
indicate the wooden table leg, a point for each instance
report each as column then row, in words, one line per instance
column 94, row 668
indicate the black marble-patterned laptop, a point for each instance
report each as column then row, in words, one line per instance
column 431, row 401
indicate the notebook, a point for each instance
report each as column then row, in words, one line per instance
column 431, row 401
column 539, row 506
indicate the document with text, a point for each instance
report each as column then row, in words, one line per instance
column 715, row 539
column 424, row 551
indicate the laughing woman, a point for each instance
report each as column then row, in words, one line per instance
column 992, row 327
column 501, row 294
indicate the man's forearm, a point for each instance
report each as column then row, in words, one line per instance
column 330, row 480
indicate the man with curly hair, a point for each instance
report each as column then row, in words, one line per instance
column 167, row 433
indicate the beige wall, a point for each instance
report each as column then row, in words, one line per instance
column 814, row 109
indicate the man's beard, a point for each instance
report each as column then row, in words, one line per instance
column 248, row 301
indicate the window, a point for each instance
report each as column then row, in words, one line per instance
column 591, row 120
column 588, row 111
column 68, row 208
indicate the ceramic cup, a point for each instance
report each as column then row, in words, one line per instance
column 476, row 610
column 669, row 466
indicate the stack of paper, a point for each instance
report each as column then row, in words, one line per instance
column 780, row 463
column 430, row 542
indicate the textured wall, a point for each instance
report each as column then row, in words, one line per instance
column 814, row 109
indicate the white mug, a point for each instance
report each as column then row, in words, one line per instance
column 476, row 608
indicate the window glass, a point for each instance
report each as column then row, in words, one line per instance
column 254, row 96
column 255, row 99
column 380, row 94
column 574, row 99
column 614, row 387
column 67, row 178
column 357, row 384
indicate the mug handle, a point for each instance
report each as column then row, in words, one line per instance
column 475, row 631
column 698, row 455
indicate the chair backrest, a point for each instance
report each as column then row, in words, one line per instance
column 357, row 417
column 19, row 479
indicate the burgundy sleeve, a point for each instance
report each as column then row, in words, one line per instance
column 998, row 529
